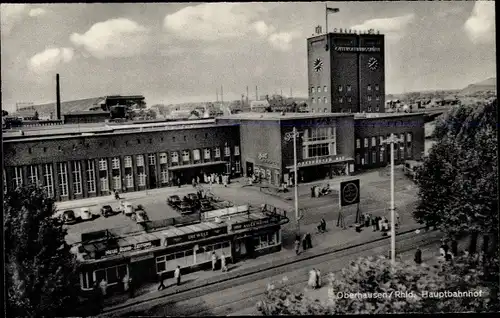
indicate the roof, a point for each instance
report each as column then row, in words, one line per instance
column 358, row 116
column 279, row 116
column 66, row 107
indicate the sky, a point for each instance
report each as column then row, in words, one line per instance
column 184, row 52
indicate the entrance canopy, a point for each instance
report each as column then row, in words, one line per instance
column 197, row 165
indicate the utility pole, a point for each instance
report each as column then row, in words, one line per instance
column 217, row 95
column 391, row 140
column 256, row 93
column 291, row 92
column 221, row 95
column 247, row 96
column 287, row 138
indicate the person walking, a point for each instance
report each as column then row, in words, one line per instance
column 318, row 279
column 117, row 195
column 223, row 266
column 125, row 281
column 161, row 278
column 177, row 275
column 418, row 256
column 297, row 245
column 103, row 285
column 304, row 243
column 312, row 278
column 197, row 179
column 323, row 223
column 374, row 223
column 131, row 287
column 193, row 181
column 98, row 299
column 309, row 240
column 398, row 220
column 214, row 260
column 179, row 182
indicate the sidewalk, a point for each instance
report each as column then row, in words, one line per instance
column 333, row 240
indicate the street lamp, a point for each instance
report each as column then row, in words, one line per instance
column 391, row 140
column 287, row 138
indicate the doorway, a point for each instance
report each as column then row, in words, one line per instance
column 249, row 169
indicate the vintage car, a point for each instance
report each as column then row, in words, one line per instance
column 127, row 208
column 205, row 205
column 173, row 200
column 107, row 210
column 69, row 217
column 185, row 207
column 86, row 214
column 141, row 216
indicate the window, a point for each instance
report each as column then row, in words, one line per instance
column 266, row 240
column 217, row 152
column 377, row 98
column 365, row 142
column 237, row 166
column 140, row 160
column 91, row 176
column 369, row 98
column 401, row 151
column 142, row 179
column 112, row 275
column 358, row 143
column 164, row 175
column 227, row 151
column 365, row 159
column 348, row 88
column 358, row 159
column 33, row 175
column 318, row 150
column 325, row 100
column 77, row 177
column 402, row 137
column 312, row 90
column 409, row 152
column 206, row 153
column 236, row 150
column 376, row 87
column 128, row 161
column 381, row 155
column 349, row 99
column 175, row 157
column 369, row 87
column 377, row 108
column 104, row 184
column 152, row 159
column 313, row 100
column 103, row 165
column 374, row 156
column 325, row 110
column 117, row 183
column 340, row 88
column 185, row 155
column 374, row 141
column 319, row 89
column 49, row 179
column 129, row 180
column 115, row 163
column 408, row 137
column 63, row 179
column 320, row 133
column 341, row 100
column 228, row 167
column 196, row 154
column 381, row 140
column 369, row 109
column 163, row 157
column 325, row 89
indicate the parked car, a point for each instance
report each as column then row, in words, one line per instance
column 141, row 216
column 85, row 214
column 69, row 217
column 107, row 210
column 127, row 208
column 173, row 200
column 205, row 205
column 192, row 197
column 185, row 207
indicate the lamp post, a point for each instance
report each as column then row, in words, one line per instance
column 287, row 138
column 391, row 140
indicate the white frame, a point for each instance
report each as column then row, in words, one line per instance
column 175, row 157
column 237, row 166
column 185, row 156
column 139, row 160
column 196, row 155
column 103, row 164
column 217, row 152
column 164, row 175
column 91, row 186
column 33, row 175
column 117, row 182
column 77, row 177
column 63, row 179
column 236, row 150
column 163, row 158
column 115, row 163
column 127, row 161
column 206, row 153
column 227, row 151
column 142, row 179
column 151, row 159
column 49, row 179
column 18, row 176
column 129, row 180
column 358, row 143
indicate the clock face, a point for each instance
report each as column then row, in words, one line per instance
column 373, row 63
column 318, row 65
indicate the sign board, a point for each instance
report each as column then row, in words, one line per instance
column 128, row 248
column 356, row 49
column 349, row 192
column 195, row 236
column 253, row 223
column 225, row 212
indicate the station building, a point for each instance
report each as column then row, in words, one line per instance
column 88, row 160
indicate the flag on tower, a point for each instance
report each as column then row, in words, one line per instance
column 332, row 10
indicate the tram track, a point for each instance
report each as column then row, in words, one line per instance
column 412, row 239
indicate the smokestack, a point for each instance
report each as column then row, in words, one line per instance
column 256, row 93
column 291, row 92
column 221, row 95
column 217, row 94
column 58, row 101
column 247, row 95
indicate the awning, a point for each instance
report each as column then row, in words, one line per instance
column 320, row 162
column 196, row 165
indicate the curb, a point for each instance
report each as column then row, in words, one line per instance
column 258, row 268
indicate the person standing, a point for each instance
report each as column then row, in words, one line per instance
column 125, row 281
column 323, row 225
column 374, row 223
column 98, row 299
column 214, row 260
column 197, row 179
column 162, row 284
column 104, row 286
column 179, row 182
column 418, row 256
column 177, row 275
column 304, row 243
column 297, row 245
column 318, row 279
column 131, row 287
column 312, row 279
column 398, row 220
column 223, row 266
column 309, row 240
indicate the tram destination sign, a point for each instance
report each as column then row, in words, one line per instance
column 349, row 192
column 250, row 224
column 127, row 248
column 195, row 236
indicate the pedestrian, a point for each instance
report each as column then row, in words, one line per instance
column 125, row 281
column 309, row 240
column 214, row 260
column 193, row 181
column 397, row 220
column 161, row 279
column 104, row 286
column 177, row 275
column 418, row 256
column 312, row 278
column 379, row 224
column 223, row 266
column 297, row 245
column 320, row 227
column 97, row 297
column 179, row 182
column 117, row 195
column 318, row 279
column 323, row 225
column 367, row 220
column 197, row 179
column 304, row 243
column 454, row 248
column 131, row 287
column 312, row 192
column 374, row 223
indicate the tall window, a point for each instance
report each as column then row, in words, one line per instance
column 228, row 167
column 127, row 161
column 376, row 87
column 196, row 155
column 217, row 152
column 374, row 141
column 377, row 98
column 129, row 179
column 318, row 150
column 365, row 142
column 152, row 159
column 349, row 99
column 206, row 153
column 369, row 87
column 313, row 101
column 103, row 165
column 33, row 175
column 115, row 163
column 185, row 155
column 117, row 182
column 103, row 175
column 63, row 179
column 140, row 160
column 374, row 156
column 163, row 158
column 381, row 140
column 175, row 157
column 340, row 88
column 237, row 166
column 49, row 179
column 142, row 179
column 164, row 174
column 408, row 137
column 402, row 137
column 312, row 89
column 365, row 159
column 237, row 149
column 325, row 100
column 348, row 88
column 319, row 89
column 381, row 155
column 369, row 98
column 91, row 176
column 227, row 151
column 358, row 143
column 77, row 177
column 341, row 100
column 325, row 89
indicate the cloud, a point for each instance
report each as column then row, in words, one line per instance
column 214, row 21
column 10, row 15
column 392, row 27
column 113, row 38
column 283, row 40
column 262, row 28
column 49, row 59
column 480, row 27
column 36, row 12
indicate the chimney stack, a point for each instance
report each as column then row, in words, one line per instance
column 221, row 95
column 217, row 94
column 58, row 101
column 247, row 96
column 256, row 93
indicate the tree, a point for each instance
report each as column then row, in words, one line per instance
column 40, row 268
column 458, row 181
column 379, row 288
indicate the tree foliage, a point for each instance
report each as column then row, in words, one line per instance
column 381, row 288
column 40, row 269
column 458, row 181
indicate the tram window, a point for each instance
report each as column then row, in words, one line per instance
column 179, row 255
column 160, row 267
column 170, row 257
column 218, row 247
column 87, row 280
column 189, row 253
column 225, row 244
column 208, row 248
column 100, row 275
column 122, row 270
column 112, row 275
column 201, row 250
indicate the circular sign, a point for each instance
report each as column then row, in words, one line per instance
column 350, row 192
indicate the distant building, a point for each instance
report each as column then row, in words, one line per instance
column 259, row 105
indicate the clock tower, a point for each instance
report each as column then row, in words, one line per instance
column 346, row 72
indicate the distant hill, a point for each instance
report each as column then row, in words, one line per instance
column 73, row 106
column 488, row 85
